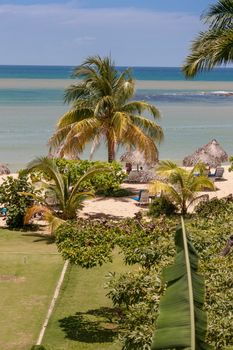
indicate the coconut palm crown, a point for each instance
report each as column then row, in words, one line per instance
column 103, row 110
column 214, row 46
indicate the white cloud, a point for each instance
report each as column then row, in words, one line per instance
column 53, row 34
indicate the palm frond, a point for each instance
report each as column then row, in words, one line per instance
column 202, row 182
column 32, row 211
column 149, row 127
column 219, row 15
column 159, row 187
column 182, row 323
column 140, row 107
column 34, row 196
column 48, row 166
column 211, row 48
column 166, row 167
column 75, row 115
column 134, row 136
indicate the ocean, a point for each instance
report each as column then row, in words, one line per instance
column 193, row 112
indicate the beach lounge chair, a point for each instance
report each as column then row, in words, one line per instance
column 145, row 198
column 218, row 174
column 139, row 196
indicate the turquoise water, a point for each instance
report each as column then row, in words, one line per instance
column 190, row 116
column 139, row 73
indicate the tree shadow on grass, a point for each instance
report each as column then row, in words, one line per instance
column 93, row 326
column 40, row 237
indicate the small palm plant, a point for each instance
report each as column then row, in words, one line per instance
column 67, row 198
column 183, row 185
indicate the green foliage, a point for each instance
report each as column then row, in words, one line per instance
column 38, row 347
column 139, row 241
column 182, row 186
column 16, row 204
column 150, row 245
column 182, row 323
column 231, row 167
column 161, row 206
column 136, row 294
column 106, row 184
column 212, row 47
column 85, row 243
column 209, row 237
column 215, row 207
column 103, row 110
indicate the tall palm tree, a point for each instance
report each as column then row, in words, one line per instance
column 68, row 198
column 183, row 185
column 214, row 46
column 103, row 109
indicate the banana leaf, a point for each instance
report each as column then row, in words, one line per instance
column 182, row 322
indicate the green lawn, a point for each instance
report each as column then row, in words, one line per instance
column 82, row 316
column 29, row 270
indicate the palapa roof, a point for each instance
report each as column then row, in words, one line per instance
column 212, row 154
column 4, row 170
column 135, row 157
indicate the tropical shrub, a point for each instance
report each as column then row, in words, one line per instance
column 106, row 184
column 151, row 246
column 148, row 247
column 161, row 206
column 231, row 166
column 85, row 243
column 16, row 204
column 215, row 206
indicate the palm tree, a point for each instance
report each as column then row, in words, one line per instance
column 214, row 46
column 183, row 185
column 103, row 109
column 67, row 198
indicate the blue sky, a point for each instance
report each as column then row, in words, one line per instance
column 135, row 32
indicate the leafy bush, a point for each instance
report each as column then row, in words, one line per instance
column 15, row 203
column 161, row 206
column 151, row 246
column 85, row 243
column 106, row 184
column 216, row 206
column 137, row 294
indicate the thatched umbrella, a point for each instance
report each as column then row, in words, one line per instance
column 211, row 154
column 215, row 150
column 136, row 158
column 4, row 170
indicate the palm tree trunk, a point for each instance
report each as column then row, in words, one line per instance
column 111, row 150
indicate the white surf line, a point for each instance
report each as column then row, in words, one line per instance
column 52, row 304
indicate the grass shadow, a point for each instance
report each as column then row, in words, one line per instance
column 41, row 237
column 93, row 326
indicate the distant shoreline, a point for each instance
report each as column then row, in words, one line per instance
column 10, row 83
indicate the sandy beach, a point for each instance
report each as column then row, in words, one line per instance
column 123, row 207
column 140, row 84
column 127, row 207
